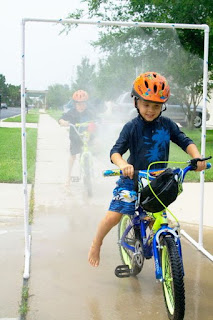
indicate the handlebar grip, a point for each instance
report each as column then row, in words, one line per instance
column 208, row 165
column 111, row 173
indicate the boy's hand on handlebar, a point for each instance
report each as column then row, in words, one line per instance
column 127, row 170
column 64, row 123
column 201, row 165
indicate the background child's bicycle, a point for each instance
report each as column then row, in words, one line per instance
column 148, row 233
column 84, row 131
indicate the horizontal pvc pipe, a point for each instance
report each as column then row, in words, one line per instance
column 197, row 245
column 124, row 24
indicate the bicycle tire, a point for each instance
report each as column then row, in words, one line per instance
column 87, row 176
column 173, row 283
column 134, row 239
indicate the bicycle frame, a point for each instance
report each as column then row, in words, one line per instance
column 86, row 159
column 84, row 136
column 85, row 154
column 162, row 241
column 151, row 244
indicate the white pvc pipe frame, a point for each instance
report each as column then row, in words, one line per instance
column 204, row 27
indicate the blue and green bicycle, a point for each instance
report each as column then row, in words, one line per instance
column 147, row 233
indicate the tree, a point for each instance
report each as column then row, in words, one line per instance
column 166, row 11
column 14, row 96
column 3, row 89
column 9, row 93
column 155, row 43
column 57, row 95
column 85, row 76
column 87, row 79
column 115, row 75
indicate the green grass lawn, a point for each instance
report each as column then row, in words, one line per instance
column 11, row 154
column 177, row 154
column 31, row 117
column 55, row 113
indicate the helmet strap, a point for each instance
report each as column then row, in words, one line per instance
column 163, row 108
column 136, row 102
column 136, row 106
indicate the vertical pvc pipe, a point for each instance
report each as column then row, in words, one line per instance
column 203, row 137
column 24, row 161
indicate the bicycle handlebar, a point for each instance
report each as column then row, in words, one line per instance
column 82, row 124
column 208, row 165
column 193, row 162
column 77, row 126
column 192, row 166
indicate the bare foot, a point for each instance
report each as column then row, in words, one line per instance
column 67, row 183
column 94, row 254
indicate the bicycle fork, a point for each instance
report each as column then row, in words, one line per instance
column 164, row 231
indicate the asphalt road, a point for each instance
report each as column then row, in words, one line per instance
column 9, row 112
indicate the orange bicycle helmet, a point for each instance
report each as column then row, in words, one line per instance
column 151, row 86
column 80, row 96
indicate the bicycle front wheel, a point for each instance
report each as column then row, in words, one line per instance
column 133, row 238
column 173, row 284
column 87, row 174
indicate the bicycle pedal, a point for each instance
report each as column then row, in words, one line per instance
column 75, row 179
column 122, row 271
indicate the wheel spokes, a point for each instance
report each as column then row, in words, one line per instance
column 168, row 281
column 130, row 239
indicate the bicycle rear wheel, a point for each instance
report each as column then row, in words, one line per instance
column 87, row 174
column 173, row 284
column 133, row 238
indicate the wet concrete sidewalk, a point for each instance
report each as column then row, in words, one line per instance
column 62, row 284
column 64, row 223
column 12, row 244
column 11, row 248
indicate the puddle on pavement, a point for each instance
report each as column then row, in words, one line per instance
column 62, row 236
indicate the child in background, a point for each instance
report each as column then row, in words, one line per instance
column 78, row 114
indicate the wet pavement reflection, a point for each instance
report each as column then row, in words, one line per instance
column 64, row 286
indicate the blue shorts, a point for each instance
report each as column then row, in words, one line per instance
column 124, row 197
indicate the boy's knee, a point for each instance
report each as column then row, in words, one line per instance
column 113, row 218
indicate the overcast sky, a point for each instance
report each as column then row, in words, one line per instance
column 50, row 58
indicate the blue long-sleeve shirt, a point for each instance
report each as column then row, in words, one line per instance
column 149, row 141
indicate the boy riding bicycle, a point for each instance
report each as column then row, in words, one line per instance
column 147, row 137
column 79, row 114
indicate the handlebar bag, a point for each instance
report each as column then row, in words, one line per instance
column 165, row 186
